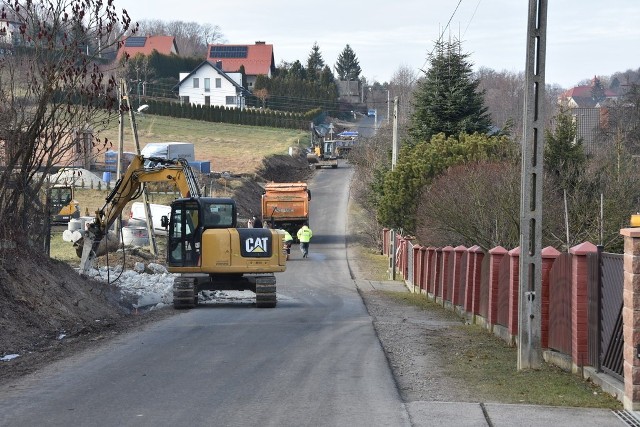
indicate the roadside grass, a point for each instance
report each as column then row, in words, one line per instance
column 235, row 148
column 489, row 367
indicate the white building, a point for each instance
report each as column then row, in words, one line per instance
column 208, row 85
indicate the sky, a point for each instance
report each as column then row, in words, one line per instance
column 584, row 37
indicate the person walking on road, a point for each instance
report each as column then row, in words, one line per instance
column 304, row 236
column 288, row 240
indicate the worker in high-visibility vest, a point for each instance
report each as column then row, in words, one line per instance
column 288, row 240
column 304, row 236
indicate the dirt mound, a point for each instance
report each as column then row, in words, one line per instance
column 284, row 168
column 43, row 301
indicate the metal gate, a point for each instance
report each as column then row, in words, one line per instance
column 606, row 283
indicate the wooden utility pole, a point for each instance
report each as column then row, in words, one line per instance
column 122, row 94
column 145, row 195
column 530, row 290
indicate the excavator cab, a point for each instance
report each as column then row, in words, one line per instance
column 189, row 219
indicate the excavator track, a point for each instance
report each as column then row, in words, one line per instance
column 266, row 292
column 185, row 294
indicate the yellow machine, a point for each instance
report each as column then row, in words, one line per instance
column 204, row 244
column 63, row 206
column 324, row 155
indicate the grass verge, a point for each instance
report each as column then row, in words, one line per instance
column 488, row 366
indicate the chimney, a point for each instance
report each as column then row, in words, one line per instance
column 260, row 42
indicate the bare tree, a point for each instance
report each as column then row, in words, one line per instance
column 191, row 38
column 53, row 91
column 402, row 84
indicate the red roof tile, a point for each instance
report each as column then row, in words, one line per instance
column 146, row 45
column 258, row 61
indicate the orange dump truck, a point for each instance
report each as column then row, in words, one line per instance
column 285, row 205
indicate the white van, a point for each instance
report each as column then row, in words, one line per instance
column 169, row 151
column 138, row 216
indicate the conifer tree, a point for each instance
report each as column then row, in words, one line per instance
column 448, row 99
column 347, row 65
column 315, row 63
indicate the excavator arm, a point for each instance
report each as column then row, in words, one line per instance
column 128, row 188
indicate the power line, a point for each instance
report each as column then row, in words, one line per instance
column 471, row 19
column 442, row 34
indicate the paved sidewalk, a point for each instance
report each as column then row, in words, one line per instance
column 447, row 414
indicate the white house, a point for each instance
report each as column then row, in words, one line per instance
column 208, row 85
column 9, row 36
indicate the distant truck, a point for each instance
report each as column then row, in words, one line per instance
column 285, row 205
column 168, row 151
column 325, row 154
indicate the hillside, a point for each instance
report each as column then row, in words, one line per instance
column 234, row 148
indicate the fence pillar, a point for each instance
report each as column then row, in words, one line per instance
column 458, row 274
column 514, row 288
column 631, row 318
column 496, row 254
column 580, row 304
column 549, row 256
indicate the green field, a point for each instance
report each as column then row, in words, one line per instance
column 234, row 148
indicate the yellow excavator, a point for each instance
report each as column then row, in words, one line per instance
column 204, row 244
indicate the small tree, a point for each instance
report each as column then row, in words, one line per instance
column 262, row 95
column 597, row 90
column 564, row 154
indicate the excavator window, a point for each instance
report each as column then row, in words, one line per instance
column 184, row 235
column 217, row 215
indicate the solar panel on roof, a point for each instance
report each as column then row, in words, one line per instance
column 228, row 52
column 135, row 42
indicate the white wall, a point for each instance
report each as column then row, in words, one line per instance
column 218, row 96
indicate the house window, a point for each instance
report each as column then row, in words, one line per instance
column 230, row 100
column 207, row 101
column 250, row 84
column 218, row 83
column 184, row 99
column 196, row 82
column 207, row 85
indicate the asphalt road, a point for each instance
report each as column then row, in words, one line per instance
column 314, row 360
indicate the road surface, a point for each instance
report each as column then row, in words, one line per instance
column 314, row 360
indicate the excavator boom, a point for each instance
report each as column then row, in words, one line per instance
column 128, row 188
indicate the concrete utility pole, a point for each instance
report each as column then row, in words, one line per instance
column 530, row 292
column 394, row 160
